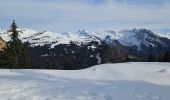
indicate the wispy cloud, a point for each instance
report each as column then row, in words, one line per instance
column 96, row 15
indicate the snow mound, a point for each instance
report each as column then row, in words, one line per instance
column 124, row 81
column 149, row 72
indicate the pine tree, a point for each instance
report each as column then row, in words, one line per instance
column 160, row 57
column 3, row 59
column 166, row 57
column 13, row 46
column 151, row 58
column 24, row 59
column 16, row 52
column 68, row 64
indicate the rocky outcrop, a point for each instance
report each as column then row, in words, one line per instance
column 2, row 44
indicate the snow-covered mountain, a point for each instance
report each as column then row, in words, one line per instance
column 166, row 35
column 90, row 47
column 80, row 48
column 135, row 37
column 143, row 41
column 139, row 41
column 36, row 38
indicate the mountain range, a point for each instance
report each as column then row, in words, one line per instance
column 89, row 48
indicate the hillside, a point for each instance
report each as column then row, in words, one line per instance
column 137, row 41
column 84, row 49
column 135, row 81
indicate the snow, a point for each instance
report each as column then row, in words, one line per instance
column 166, row 35
column 134, row 37
column 36, row 38
column 99, row 58
column 92, row 47
column 128, row 38
column 103, row 35
column 91, row 56
column 124, row 81
column 45, row 55
column 125, row 37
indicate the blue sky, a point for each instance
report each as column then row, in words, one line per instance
column 91, row 15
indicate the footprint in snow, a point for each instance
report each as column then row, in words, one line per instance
column 162, row 71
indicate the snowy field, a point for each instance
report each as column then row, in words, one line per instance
column 124, row 81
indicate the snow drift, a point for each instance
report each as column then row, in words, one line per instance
column 124, row 81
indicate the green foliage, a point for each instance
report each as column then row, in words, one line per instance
column 166, row 57
column 68, row 64
column 24, row 60
column 151, row 58
column 3, row 59
column 16, row 52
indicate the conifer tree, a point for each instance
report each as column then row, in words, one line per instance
column 16, row 52
column 3, row 58
column 166, row 57
column 151, row 58
column 13, row 46
column 68, row 64
column 24, row 59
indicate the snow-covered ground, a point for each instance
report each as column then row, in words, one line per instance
column 124, row 81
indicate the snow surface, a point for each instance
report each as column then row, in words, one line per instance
column 36, row 38
column 124, row 81
column 166, row 35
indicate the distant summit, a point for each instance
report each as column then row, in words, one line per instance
column 83, row 49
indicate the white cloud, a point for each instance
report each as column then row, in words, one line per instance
column 57, row 15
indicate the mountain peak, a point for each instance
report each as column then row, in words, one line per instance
column 134, row 37
column 82, row 32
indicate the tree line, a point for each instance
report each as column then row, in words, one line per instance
column 14, row 55
column 159, row 58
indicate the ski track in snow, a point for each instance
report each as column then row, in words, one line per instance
column 107, row 83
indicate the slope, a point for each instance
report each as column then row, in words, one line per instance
column 124, row 81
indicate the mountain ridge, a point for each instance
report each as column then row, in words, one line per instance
column 125, row 37
column 83, row 49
